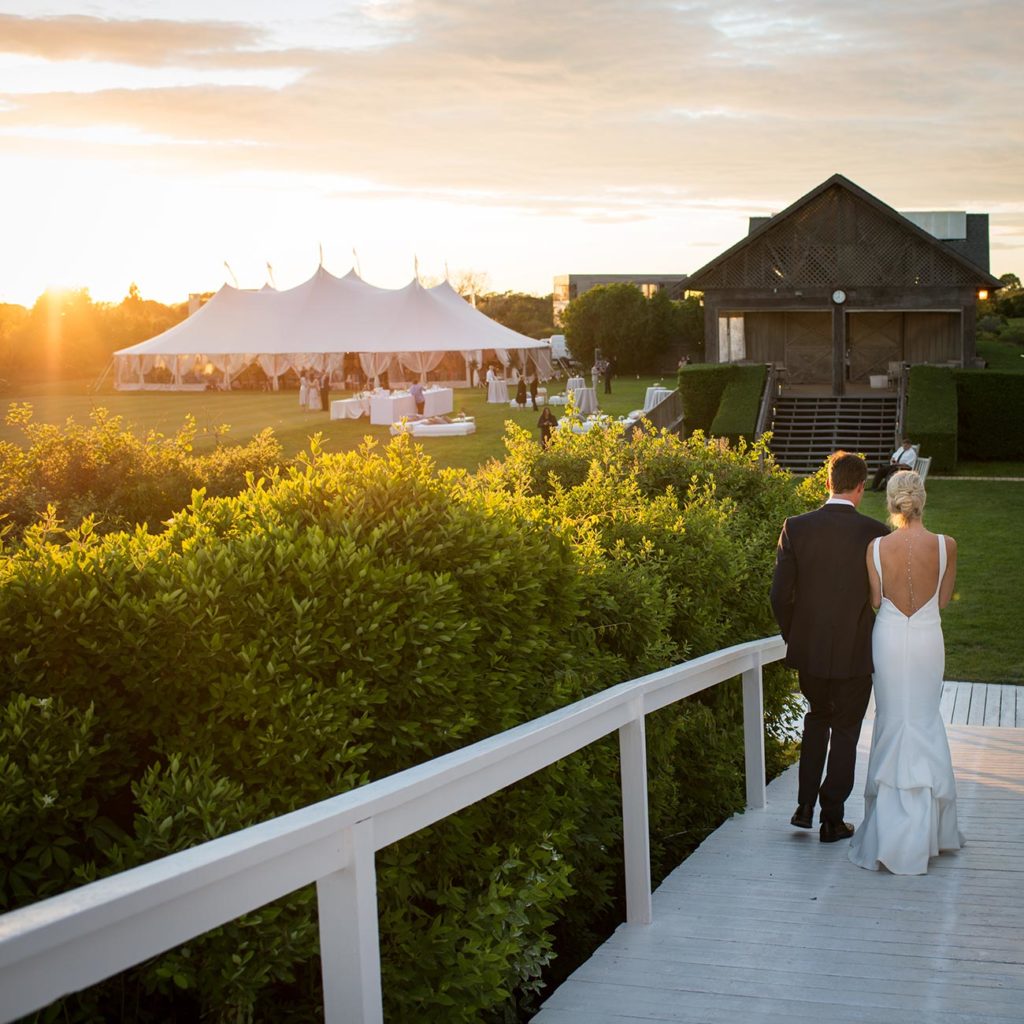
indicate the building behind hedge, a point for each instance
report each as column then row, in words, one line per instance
column 839, row 285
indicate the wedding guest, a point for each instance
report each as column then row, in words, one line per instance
column 547, row 423
column 416, row 390
column 533, row 391
column 521, row 393
column 325, row 391
column 903, row 458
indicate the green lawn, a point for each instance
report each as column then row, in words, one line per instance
column 248, row 412
column 984, row 641
column 1002, row 355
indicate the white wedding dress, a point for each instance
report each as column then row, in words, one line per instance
column 910, row 795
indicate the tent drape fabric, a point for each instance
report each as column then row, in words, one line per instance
column 314, row 324
column 421, row 362
column 374, row 363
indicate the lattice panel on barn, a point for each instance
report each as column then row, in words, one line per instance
column 838, row 239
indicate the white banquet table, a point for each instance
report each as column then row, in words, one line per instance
column 573, row 383
column 438, row 401
column 655, row 396
column 497, row 392
column 388, row 409
column 350, row 408
column 586, row 400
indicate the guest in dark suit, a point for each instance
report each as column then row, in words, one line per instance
column 325, row 391
column 821, row 600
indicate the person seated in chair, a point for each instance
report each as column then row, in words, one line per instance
column 903, row 458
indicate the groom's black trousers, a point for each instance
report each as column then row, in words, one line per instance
column 832, row 728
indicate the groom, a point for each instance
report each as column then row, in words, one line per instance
column 821, row 601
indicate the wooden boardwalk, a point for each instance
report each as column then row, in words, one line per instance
column 765, row 923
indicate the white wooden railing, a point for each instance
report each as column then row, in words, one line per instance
column 64, row 944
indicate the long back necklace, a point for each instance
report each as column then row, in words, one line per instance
column 910, row 575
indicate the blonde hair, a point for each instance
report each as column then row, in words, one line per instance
column 905, row 497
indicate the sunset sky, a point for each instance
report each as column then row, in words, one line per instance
column 520, row 139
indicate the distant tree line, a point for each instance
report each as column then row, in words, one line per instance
column 68, row 334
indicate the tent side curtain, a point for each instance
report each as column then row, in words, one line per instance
column 374, row 363
column 420, row 362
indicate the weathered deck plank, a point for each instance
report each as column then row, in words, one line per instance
column 765, row 923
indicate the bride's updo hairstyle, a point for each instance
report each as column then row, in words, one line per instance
column 905, row 497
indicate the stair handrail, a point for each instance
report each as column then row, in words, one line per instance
column 767, row 400
column 901, row 404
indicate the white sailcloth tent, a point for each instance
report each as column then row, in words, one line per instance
column 316, row 323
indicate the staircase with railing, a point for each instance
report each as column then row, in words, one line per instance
column 806, row 429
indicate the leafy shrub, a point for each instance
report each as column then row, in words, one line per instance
column 701, row 388
column 932, row 414
column 740, row 404
column 104, row 471
column 990, row 324
column 989, row 404
column 357, row 614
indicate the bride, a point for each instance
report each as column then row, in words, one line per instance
column 910, row 796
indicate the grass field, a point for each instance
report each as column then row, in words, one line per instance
column 248, row 412
column 1002, row 355
column 984, row 641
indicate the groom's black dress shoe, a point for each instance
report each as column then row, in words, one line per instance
column 833, row 831
column 803, row 816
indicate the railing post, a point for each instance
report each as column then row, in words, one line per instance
column 753, row 734
column 349, row 941
column 636, row 839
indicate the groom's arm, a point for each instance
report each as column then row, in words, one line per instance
column 783, row 592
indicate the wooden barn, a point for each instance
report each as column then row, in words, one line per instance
column 839, row 288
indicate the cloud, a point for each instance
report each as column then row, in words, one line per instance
column 144, row 42
column 602, row 110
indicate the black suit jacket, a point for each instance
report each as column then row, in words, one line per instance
column 820, row 593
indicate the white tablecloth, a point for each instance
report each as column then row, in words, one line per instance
column 497, row 392
column 574, row 382
column 586, row 400
column 388, row 409
column 438, row 401
column 583, row 426
column 350, row 408
column 655, row 396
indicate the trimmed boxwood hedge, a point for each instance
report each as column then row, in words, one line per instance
column 740, row 404
column 701, row 389
column 931, row 419
column 990, row 409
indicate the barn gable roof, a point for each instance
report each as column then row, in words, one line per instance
column 839, row 235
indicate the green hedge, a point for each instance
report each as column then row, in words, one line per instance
column 69, row 471
column 931, row 419
column 701, row 388
column 990, row 414
column 740, row 404
column 350, row 617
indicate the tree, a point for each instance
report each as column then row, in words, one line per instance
column 639, row 334
column 531, row 315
